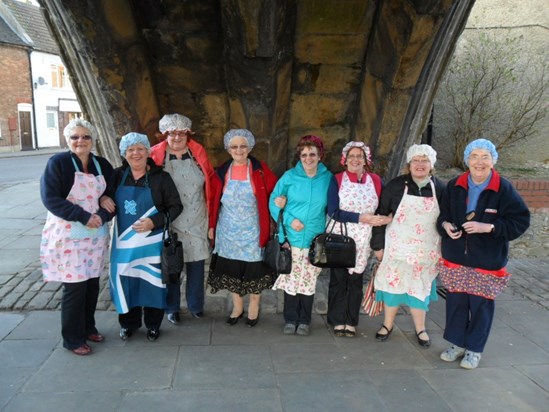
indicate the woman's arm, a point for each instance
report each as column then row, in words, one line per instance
column 55, row 185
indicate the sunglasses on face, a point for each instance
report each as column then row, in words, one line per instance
column 75, row 137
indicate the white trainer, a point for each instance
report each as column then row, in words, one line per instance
column 452, row 353
column 470, row 360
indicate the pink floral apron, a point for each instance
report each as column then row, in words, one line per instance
column 70, row 251
column 412, row 248
column 358, row 198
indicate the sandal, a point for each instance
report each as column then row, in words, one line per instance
column 339, row 333
column 382, row 338
column 350, row 333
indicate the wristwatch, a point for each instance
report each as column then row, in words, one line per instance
column 492, row 228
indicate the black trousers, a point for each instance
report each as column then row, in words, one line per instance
column 132, row 320
column 78, row 312
column 298, row 309
column 344, row 297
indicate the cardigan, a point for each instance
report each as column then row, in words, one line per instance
column 57, row 181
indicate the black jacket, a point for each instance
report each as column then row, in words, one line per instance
column 390, row 200
column 164, row 193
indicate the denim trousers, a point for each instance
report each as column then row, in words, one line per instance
column 194, row 289
column 298, row 309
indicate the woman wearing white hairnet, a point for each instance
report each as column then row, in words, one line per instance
column 75, row 237
column 144, row 195
column 187, row 163
column 409, row 246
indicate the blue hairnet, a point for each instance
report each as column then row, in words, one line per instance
column 480, row 144
column 133, row 138
column 245, row 133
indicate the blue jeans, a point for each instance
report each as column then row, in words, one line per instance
column 194, row 290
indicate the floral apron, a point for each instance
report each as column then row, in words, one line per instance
column 412, row 248
column 70, row 251
column 359, row 198
column 135, row 276
column 192, row 223
column 237, row 234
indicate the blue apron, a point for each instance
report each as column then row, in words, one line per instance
column 135, row 278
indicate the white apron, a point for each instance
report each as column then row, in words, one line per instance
column 358, row 198
column 412, row 248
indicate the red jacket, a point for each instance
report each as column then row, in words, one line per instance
column 263, row 182
column 158, row 154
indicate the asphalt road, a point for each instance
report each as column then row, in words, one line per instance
column 22, row 168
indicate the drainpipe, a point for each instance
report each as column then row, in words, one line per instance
column 34, row 129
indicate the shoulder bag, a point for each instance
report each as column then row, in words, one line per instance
column 278, row 256
column 332, row 250
column 172, row 255
column 369, row 304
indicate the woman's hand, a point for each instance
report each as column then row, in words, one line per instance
column 477, row 227
column 379, row 254
column 297, row 225
column 211, row 233
column 374, row 220
column 94, row 222
column 107, row 203
column 451, row 230
column 280, row 202
column 143, row 225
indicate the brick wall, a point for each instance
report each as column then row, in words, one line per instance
column 15, row 86
column 535, row 193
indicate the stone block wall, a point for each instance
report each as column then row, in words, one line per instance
column 16, row 88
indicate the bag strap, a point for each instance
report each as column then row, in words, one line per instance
column 166, row 225
column 342, row 226
column 280, row 225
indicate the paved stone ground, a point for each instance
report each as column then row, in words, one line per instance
column 26, row 290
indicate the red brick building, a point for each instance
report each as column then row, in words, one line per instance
column 15, row 89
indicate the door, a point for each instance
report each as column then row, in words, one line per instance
column 25, row 130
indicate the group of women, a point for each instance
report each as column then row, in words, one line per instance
column 416, row 226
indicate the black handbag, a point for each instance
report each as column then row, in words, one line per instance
column 332, row 250
column 172, row 255
column 278, row 256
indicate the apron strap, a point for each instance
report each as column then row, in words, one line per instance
column 95, row 162
column 125, row 176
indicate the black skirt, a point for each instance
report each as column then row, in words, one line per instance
column 238, row 276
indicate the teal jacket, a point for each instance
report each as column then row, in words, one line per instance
column 307, row 198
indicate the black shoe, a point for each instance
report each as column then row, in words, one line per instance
column 425, row 343
column 197, row 315
column 125, row 333
column 233, row 321
column 153, row 334
column 174, row 318
column 383, row 338
column 251, row 322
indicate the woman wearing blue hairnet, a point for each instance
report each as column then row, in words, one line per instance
column 144, row 194
column 480, row 213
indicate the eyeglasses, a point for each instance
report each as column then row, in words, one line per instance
column 178, row 133
column 420, row 161
column 355, row 157
column 476, row 158
column 241, row 147
column 305, row 155
column 76, row 137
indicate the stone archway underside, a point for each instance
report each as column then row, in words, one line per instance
column 350, row 69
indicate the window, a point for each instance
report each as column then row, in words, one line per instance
column 50, row 120
column 59, row 78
